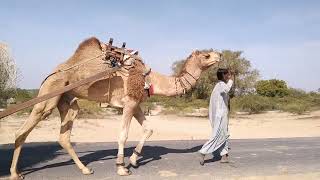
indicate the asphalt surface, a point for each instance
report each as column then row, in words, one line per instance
column 168, row 160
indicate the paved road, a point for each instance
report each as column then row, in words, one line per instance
column 169, row 159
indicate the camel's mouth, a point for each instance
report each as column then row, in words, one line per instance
column 214, row 62
column 215, row 57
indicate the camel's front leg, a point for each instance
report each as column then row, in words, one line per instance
column 128, row 111
column 147, row 132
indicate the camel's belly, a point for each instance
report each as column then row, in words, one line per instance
column 102, row 90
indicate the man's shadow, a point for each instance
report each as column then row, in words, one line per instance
column 154, row 153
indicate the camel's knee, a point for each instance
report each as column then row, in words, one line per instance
column 40, row 112
column 148, row 133
column 147, row 130
column 68, row 106
column 20, row 137
column 46, row 113
column 37, row 110
column 123, row 138
column 64, row 141
column 74, row 112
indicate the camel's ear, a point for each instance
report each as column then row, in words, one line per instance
column 196, row 52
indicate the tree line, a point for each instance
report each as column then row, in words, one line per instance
column 252, row 94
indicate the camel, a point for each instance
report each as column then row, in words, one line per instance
column 119, row 90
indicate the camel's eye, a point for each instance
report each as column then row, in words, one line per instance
column 207, row 56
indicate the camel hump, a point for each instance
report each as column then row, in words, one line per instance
column 87, row 49
column 91, row 42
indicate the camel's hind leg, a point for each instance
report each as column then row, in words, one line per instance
column 39, row 112
column 68, row 109
column 147, row 132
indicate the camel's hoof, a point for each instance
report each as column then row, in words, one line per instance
column 122, row 171
column 87, row 171
column 16, row 177
column 133, row 161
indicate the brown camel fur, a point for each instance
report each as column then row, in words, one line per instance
column 119, row 90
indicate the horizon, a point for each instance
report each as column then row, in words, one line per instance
column 280, row 38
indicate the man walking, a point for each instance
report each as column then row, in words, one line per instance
column 218, row 116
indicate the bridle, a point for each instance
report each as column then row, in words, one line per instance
column 181, row 79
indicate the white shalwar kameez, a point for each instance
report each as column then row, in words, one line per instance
column 218, row 116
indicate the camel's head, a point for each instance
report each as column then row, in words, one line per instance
column 206, row 58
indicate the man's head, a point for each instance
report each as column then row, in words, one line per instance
column 223, row 74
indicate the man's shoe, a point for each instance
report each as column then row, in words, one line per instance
column 224, row 159
column 202, row 156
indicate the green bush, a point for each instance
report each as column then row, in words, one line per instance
column 297, row 93
column 296, row 108
column 23, row 95
column 272, row 88
column 89, row 109
column 4, row 96
column 253, row 104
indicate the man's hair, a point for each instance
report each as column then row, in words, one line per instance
column 221, row 72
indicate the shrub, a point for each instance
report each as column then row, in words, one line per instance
column 89, row 109
column 296, row 108
column 253, row 104
column 272, row 88
column 22, row 95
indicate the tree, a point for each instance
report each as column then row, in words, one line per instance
column 177, row 66
column 272, row 88
column 7, row 74
column 245, row 80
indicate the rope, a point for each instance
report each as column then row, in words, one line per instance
column 109, row 82
column 68, row 68
column 81, row 63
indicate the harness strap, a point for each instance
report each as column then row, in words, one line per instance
column 183, row 86
column 187, row 81
column 136, row 152
column 191, row 75
column 120, row 164
column 182, row 83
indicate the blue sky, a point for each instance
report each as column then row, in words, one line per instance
column 280, row 38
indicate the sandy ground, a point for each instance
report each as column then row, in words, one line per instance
column 170, row 127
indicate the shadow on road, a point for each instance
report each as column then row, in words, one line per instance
column 36, row 153
column 31, row 154
column 154, row 153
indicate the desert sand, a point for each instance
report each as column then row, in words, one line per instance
column 170, row 127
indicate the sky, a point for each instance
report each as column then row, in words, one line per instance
column 281, row 38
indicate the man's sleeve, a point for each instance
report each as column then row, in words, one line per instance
column 227, row 87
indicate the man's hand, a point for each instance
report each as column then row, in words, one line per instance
column 233, row 77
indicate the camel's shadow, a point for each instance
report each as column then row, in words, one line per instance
column 35, row 153
column 31, row 154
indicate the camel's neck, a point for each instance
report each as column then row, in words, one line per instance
column 171, row 85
